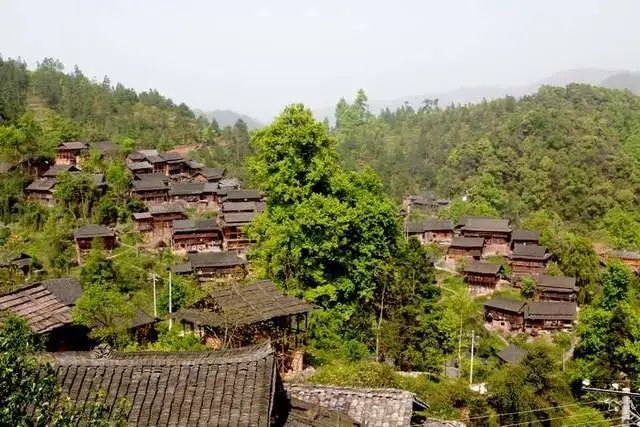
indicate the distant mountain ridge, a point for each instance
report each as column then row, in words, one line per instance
column 612, row 79
column 229, row 118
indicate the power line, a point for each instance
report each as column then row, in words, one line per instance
column 550, row 419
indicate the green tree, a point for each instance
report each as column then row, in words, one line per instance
column 615, row 285
column 527, row 287
column 14, row 81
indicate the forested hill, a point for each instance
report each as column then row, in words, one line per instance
column 571, row 150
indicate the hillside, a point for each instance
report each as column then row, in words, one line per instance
column 630, row 81
column 229, row 118
column 572, row 151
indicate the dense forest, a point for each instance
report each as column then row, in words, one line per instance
column 572, row 152
column 564, row 161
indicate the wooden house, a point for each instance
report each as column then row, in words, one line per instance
column 482, row 277
column 524, row 237
column 242, row 314
column 84, row 237
column 69, row 153
column 46, row 308
column 495, row 232
column 438, row 231
column 18, row 262
column 150, row 190
column 143, row 167
column 174, row 164
column 549, row 315
column 233, row 229
column 156, row 224
column 629, row 258
column 528, row 260
column 232, row 207
column 415, row 230
column 209, row 174
column 242, row 196
column 42, row 191
column 556, row 288
column 208, row 266
column 196, row 235
column 465, row 248
column 505, row 314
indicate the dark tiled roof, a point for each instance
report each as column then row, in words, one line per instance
column 540, row 310
column 186, row 188
column 210, row 188
column 144, row 165
column 155, row 159
column 242, row 206
column 157, row 176
column 242, row 305
column 182, row 268
column 215, row 259
column 370, row 407
column 534, row 252
column 482, row 267
column 166, row 208
column 438, row 225
column 149, row 152
column 486, row 224
column 414, row 227
column 525, row 235
column 56, row 170
column 142, row 215
column 93, row 230
column 149, row 184
column 194, row 165
column 172, row 157
column 243, row 195
column 141, row 318
column 512, row 354
column 38, row 306
column 66, row 289
column 556, row 283
column 307, row 414
column 212, row 173
column 73, row 145
column 229, row 183
column 505, row 304
column 467, row 242
column 192, row 225
column 42, row 184
column 136, row 156
column 238, row 218
column 222, row 388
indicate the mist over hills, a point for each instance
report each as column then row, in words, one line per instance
column 612, row 79
column 229, row 118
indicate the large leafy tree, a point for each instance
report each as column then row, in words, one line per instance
column 327, row 234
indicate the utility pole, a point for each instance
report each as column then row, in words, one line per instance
column 155, row 298
column 170, row 305
column 626, row 394
column 473, row 337
column 626, row 407
column 460, row 348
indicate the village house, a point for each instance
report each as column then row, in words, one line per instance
column 46, row 308
column 233, row 230
column 209, row 174
column 482, row 277
column 18, row 262
column 528, row 260
column 143, row 167
column 156, row 224
column 629, row 258
column 41, row 191
column 415, row 230
column 243, row 314
column 196, row 235
column 495, row 232
column 207, row 266
column 194, row 194
column 556, row 288
column 150, row 190
column 465, row 248
column 505, row 314
column 438, row 231
column 242, row 196
column 230, row 207
column 55, row 170
column 549, row 316
column 69, row 153
column 424, row 202
column 512, row 354
column 84, row 237
column 524, row 237
column 175, row 165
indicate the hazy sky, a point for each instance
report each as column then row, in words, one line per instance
column 256, row 56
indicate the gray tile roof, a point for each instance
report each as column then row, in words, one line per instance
column 73, row 145
column 186, row 188
column 512, row 354
column 150, row 184
column 243, row 195
column 93, row 230
column 438, row 225
column 525, row 235
column 467, row 242
column 238, row 218
column 486, row 224
column 42, row 184
column 215, row 259
column 193, row 225
column 550, row 310
column 532, row 252
column 368, row 406
column 212, row 173
column 38, row 306
column 66, row 289
column 221, row 388
column 166, row 208
column 242, row 206
column 246, row 304
column 505, row 304
column 482, row 267
column 56, row 170
column 556, row 283
column 144, row 165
